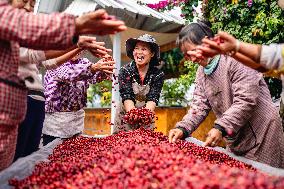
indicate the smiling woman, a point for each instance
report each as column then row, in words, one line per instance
column 140, row 82
column 239, row 98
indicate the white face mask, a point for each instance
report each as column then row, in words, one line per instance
column 281, row 3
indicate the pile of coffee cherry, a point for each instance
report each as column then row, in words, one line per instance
column 138, row 117
column 142, row 159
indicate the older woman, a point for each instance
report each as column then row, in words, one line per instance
column 240, row 99
column 140, row 82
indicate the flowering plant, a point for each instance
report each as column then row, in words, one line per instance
column 253, row 21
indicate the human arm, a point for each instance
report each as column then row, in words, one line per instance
column 198, row 111
column 125, row 89
column 102, row 70
column 128, row 105
column 55, row 31
column 156, row 86
column 36, row 31
column 225, row 43
column 248, row 54
column 61, row 56
column 99, row 23
column 98, row 49
column 56, row 62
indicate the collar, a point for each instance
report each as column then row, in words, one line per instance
column 211, row 67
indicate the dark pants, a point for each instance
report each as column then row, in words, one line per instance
column 29, row 132
column 47, row 139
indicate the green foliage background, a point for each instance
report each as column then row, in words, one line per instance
column 103, row 89
column 173, row 91
column 262, row 22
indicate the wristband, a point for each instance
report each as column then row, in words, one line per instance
column 238, row 43
column 221, row 129
column 184, row 131
column 237, row 48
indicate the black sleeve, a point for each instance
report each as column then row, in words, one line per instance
column 184, row 131
column 220, row 128
column 125, row 85
column 156, row 87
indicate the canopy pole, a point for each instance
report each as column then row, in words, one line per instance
column 115, row 90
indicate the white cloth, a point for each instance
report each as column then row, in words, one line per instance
column 28, row 69
column 36, row 57
column 64, row 124
column 31, row 56
column 272, row 56
column 29, row 59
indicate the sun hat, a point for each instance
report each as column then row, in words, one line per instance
column 131, row 43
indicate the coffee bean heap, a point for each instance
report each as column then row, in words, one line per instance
column 142, row 159
column 138, row 117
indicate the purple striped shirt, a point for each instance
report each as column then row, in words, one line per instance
column 66, row 86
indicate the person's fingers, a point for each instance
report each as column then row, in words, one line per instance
column 208, row 141
column 109, row 50
column 176, row 136
column 99, row 43
column 97, row 22
column 224, row 35
column 108, row 63
column 199, row 54
column 107, row 68
column 211, row 43
column 87, row 38
column 218, row 141
column 208, row 52
column 107, row 71
column 213, row 144
column 98, row 14
column 192, row 55
column 98, row 53
column 96, row 46
column 102, row 52
column 171, row 135
column 110, row 27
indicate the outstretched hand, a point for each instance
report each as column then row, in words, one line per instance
column 104, row 66
column 214, row 137
column 96, row 48
column 175, row 134
column 222, row 43
column 99, row 23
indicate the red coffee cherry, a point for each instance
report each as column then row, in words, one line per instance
column 142, row 159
